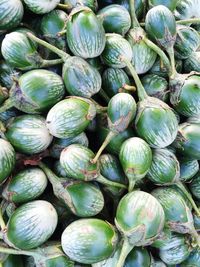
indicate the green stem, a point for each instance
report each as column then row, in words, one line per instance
column 107, row 182
column 170, row 52
column 17, row 252
column 129, row 88
column 134, row 21
column 161, row 54
column 140, row 89
column 63, row 7
column 61, row 33
column 186, row 21
column 189, row 197
column 103, row 94
column 54, row 49
column 109, row 137
column 6, row 105
column 131, row 185
column 126, row 248
column 48, row 63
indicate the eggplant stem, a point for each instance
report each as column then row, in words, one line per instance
column 170, row 52
column 134, row 21
column 48, row 63
column 126, row 248
column 140, row 89
column 103, row 94
column 131, row 185
column 186, row 21
column 2, row 223
column 109, row 137
column 54, row 49
column 105, row 181
column 61, row 33
column 189, row 197
column 64, row 7
column 127, row 87
column 17, row 252
column 7, row 104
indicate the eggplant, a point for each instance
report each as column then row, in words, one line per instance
column 96, row 240
column 188, row 168
column 139, row 6
column 38, row 7
column 135, row 157
column 192, row 63
column 7, row 74
column 7, row 159
column 115, row 19
column 168, row 3
column 11, row 14
column 92, row 4
column 28, row 228
column 140, row 219
column 194, row 186
column 28, row 134
column 193, row 260
column 58, row 169
column 13, row 260
column 36, row 91
column 138, row 257
column 25, row 186
column 187, row 9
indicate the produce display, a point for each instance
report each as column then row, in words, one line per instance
column 99, row 133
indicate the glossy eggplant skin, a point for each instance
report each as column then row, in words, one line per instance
column 138, row 257
column 11, row 14
column 41, row 7
column 85, row 33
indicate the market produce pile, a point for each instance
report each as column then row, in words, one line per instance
column 99, row 133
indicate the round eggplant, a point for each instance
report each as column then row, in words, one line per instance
column 41, row 7
column 192, row 63
column 188, row 168
column 168, row 3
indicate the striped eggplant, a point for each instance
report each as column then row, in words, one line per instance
column 139, row 6
column 187, row 9
column 58, row 169
column 77, row 162
column 28, row 134
column 92, row 4
column 136, row 158
column 70, row 117
column 96, row 63
column 11, row 14
column 194, row 186
column 140, row 219
column 25, row 186
column 193, row 260
column 85, row 33
column 41, row 7
column 59, row 144
column 188, row 168
column 36, row 91
column 89, row 240
column 31, row 225
column 138, row 257
column 115, row 19
column 192, row 63
column 7, row 159
column 168, row 3
column 7, row 73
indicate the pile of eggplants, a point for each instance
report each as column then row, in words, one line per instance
column 99, row 133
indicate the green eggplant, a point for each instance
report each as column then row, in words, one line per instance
column 41, row 7
column 186, row 195
column 115, row 19
column 138, row 257
column 187, row 41
column 83, row 199
column 187, row 9
column 139, row 6
column 187, row 140
column 28, row 134
column 25, row 186
column 117, row 50
column 7, row 74
column 13, row 261
column 59, row 144
column 11, row 14
column 111, row 169
column 156, row 86
column 140, row 219
column 165, row 168
column 96, row 63
column 7, row 159
column 3, row 94
column 188, row 168
column 31, row 225
column 94, row 240
column 89, row 40
column 21, row 53
column 76, row 160
column 8, row 114
column 159, row 263
column 36, row 91
column 194, row 186
column 177, row 214
column 192, row 63
column 136, row 158
column 121, row 112
column 58, row 169
column 70, row 117
column 70, row 4
column 193, row 260
column 168, row 3
column 115, row 81
column 51, row 25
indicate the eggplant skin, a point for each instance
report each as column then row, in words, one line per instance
column 41, row 7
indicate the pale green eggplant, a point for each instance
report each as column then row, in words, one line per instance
column 28, row 134
column 94, row 239
column 168, row 3
column 41, row 7
column 187, row 9
column 188, row 168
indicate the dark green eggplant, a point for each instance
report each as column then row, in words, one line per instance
column 89, row 40
column 139, row 6
column 7, row 74
column 138, row 257
column 11, row 14
column 96, row 240
column 168, row 3
column 83, row 199
column 192, row 63
column 70, row 117
column 115, row 81
column 31, row 225
column 77, row 162
column 187, row 41
column 36, row 91
column 25, row 186
column 41, row 7
column 3, row 94
column 136, row 158
column 156, row 86
column 140, row 219
column 115, row 19
column 70, row 4
column 28, row 134
column 21, row 53
column 13, row 261
column 58, row 169
column 188, row 168
column 121, row 112
column 187, row 9
column 7, row 159
column 193, row 260
column 8, row 114
column 194, row 186
column 96, row 63
column 59, row 144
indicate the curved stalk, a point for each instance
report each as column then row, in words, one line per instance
column 131, row 184
column 6, row 105
column 63, row 7
column 103, row 94
column 61, row 33
column 105, row 181
column 186, row 21
column 17, row 252
column 128, row 88
column 126, row 248
column 134, row 21
column 170, row 52
column 53, row 62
